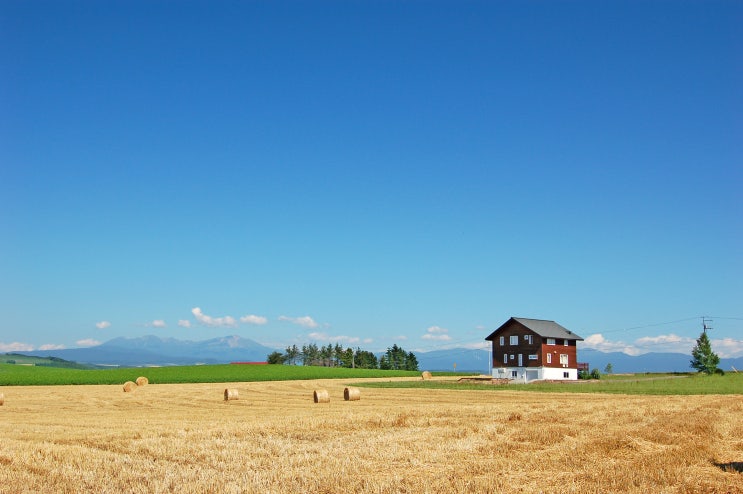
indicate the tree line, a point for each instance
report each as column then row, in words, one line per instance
column 334, row 355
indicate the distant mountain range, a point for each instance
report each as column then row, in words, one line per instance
column 155, row 351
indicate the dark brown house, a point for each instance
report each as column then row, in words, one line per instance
column 534, row 349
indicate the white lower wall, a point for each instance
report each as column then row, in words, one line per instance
column 527, row 374
column 557, row 374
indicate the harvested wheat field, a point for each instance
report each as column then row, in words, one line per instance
column 187, row 438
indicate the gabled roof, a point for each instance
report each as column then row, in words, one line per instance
column 545, row 329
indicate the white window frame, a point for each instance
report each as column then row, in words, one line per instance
column 502, row 341
column 565, row 342
column 533, row 356
column 564, row 359
column 505, row 358
column 514, row 340
column 566, row 375
column 549, row 358
column 514, row 374
column 551, row 341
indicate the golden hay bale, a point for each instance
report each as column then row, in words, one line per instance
column 129, row 386
column 2, row 399
column 142, row 381
column 352, row 394
column 230, row 394
column 321, row 396
column 426, row 375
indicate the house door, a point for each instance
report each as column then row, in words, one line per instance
column 521, row 360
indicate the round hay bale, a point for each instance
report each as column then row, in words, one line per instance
column 2, row 399
column 426, row 375
column 230, row 394
column 321, row 396
column 142, row 381
column 129, row 386
column 352, row 394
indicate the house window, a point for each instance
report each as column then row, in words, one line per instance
column 564, row 359
column 514, row 340
column 527, row 338
column 514, row 374
column 566, row 375
column 502, row 340
column 511, row 356
column 550, row 341
column 549, row 358
column 533, row 357
column 565, row 342
column 505, row 358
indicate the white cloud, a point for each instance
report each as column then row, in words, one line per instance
column 253, row 319
column 665, row 343
column 400, row 337
column 103, row 324
column 672, row 343
column 479, row 345
column 213, row 321
column 437, row 330
column 366, row 341
column 158, row 323
column 15, row 347
column 305, row 321
column 184, row 323
column 87, row 342
column 727, row 347
column 436, row 333
column 661, row 339
column 319, row 336
column 598, row 342
column 51, row 346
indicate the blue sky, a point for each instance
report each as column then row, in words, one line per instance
column 371, row 173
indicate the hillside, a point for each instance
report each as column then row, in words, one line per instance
column 20, row 359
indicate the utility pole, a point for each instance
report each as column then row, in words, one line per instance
column 705, row 323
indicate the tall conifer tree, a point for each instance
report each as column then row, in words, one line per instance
column 703, row 358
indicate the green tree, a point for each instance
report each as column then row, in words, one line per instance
column 703, row 358
column 338, row 354
column 347, row 358
column 396, row 358
column 292, row 354
column 365, row 359
column 310, row 354
column 276, row 358
column 608, row 369
column 411, row 362
column 326, row 355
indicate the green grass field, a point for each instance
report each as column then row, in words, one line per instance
column 26, row 375
column 638, row 384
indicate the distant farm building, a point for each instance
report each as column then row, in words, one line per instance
column 533, row 349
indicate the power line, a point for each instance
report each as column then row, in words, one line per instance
column 650, row 325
